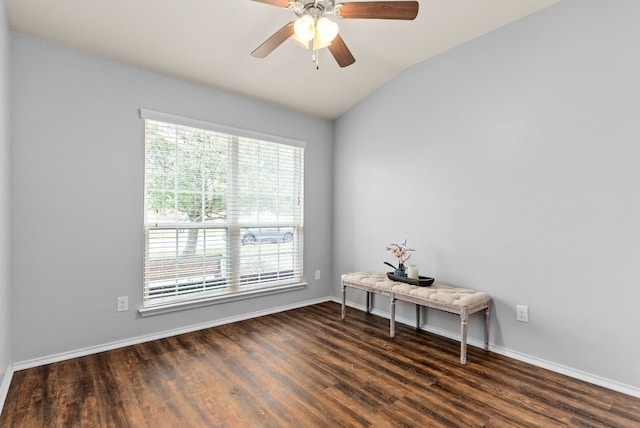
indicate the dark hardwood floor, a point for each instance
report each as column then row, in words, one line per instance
column 306, row 368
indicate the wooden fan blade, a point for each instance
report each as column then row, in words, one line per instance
column 274, row 41
column 406, row 10
column 341, row 52
column 278, row 3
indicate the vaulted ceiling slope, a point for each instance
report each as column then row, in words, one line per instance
column 209, row 42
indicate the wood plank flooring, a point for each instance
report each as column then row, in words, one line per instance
column 306, row 368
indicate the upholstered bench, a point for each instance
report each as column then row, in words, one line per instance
column 460, row 301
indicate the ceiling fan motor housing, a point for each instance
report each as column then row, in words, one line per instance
column 315, row 8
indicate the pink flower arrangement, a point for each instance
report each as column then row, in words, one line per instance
column 401, row 253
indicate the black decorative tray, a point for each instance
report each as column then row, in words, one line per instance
column 422, row 281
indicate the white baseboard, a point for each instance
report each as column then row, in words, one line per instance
column 567, row 371
column 4, row 386
column 36, row 362
column 535, row 361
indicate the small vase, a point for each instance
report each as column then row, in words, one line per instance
column 400, row 273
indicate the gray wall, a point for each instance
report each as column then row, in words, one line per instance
column 77, row 196
column 511, row 164
column 5, row 200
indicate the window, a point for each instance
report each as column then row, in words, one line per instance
column 223, row 211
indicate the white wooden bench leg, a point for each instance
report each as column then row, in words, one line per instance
column 486, row 329
column 464, row 316
column 392, row 320
column 344, row 300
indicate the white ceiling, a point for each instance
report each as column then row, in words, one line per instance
column 209, row 42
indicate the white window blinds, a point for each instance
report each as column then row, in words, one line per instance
column 223, row 212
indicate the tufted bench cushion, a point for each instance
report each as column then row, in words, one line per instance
column 454, row 296
column 456, row 300
column 375, row 280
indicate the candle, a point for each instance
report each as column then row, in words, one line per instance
column 413, row 272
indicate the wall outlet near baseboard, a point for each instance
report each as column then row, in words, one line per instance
column 318, row 275
column 522, row 313
column 123, row 303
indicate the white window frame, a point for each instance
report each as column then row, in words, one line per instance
column 230, row 291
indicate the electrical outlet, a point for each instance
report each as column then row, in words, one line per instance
column 123, row 303
column 318, row 275
column 522, row 313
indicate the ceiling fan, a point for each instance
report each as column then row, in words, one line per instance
column 315, row 31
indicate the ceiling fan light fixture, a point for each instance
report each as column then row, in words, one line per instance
column 327, row 30
column 317, row 44
column 305, row 28
column 299, row 42
column 313, row 31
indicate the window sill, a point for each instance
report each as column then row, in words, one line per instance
column 174, row 307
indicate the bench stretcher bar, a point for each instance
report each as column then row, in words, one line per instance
column 462, row 311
